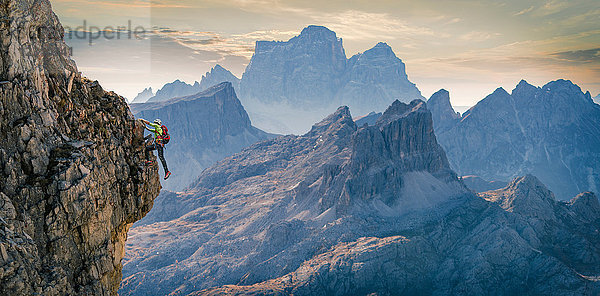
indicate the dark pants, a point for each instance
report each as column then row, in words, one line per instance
column 151, row 146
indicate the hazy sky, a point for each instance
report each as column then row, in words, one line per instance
column 467, row 47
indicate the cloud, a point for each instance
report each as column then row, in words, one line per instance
column 580, row 56
column 477, row 36
column 266, row 35
column 208, row 42
column 360, row 25
column 524, row 11
column 454, row 21
column 552, row 7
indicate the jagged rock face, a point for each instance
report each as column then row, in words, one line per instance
column 289, row 85
column 300, row 71
column 217, row 75
column 175, row 89
column 597, row 99
column 261, row 213
column 550, row 132
column 204, row 128
column 517, row 240
column 441, row 111
column 69, row 151
column 375, row 78
column 143, row 96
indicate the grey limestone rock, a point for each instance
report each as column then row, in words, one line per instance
column 70, row 180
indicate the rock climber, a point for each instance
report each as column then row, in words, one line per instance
column 161, row 137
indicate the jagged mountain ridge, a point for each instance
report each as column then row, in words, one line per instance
column 143, row 96
column 218, row 75
column 551, row 132
column 69, row 152
column 204, row 128
column 375, row 78
column 175, row 89
column 499, row 244
column 276, row 201
column 178, row 88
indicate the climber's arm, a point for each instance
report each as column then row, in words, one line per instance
column 146, row 122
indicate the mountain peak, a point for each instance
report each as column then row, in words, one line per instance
column 314, row 29
column 444, row 116
column 143, row 96
column 562, row 84
column 526, row 195
column 217, row 88
column 500, row 91
column 317, row 35
column 524, row 89
column 399, row 110
column 524, row 84
column 527, row 182
column 586, row 205
column 341, row 118
column 440, row 96
column 381, row 49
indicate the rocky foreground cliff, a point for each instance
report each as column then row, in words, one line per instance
column 70, row 180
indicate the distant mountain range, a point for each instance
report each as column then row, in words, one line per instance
column 204, row 128
column 289, row 85
column 217, row 75
column 552, row 132
column 351, row 210
column 179, row 88
column 175, row 89
column 143, row 96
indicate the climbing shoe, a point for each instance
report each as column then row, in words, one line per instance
column 167, row 175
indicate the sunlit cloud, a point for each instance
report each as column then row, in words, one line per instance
column 476, row 36
column 580, row 56
column 360, row 25
column 209, row 42
column 525, row 11
column 552, row 7
column 454, row 21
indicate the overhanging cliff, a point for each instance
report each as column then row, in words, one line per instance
column 70, row 179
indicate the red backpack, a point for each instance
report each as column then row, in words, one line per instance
column 165, row 135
